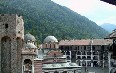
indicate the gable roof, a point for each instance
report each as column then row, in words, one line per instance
column 75, row 42
column 85, row 42
column 112, row 35
column 101, row 42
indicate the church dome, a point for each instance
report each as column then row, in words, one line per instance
column 30, row 37
column 50, row 39
column 30, row 45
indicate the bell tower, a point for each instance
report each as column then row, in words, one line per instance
column 11, row 43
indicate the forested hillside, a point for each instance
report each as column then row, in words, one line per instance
column 44, row 17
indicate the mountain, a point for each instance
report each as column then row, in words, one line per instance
column 109, row 27
column 44, row 17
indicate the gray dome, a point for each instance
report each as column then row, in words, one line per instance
column 30, row 45
column 29, row 37
column 50, row 39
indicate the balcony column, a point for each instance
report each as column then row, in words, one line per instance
column 91, row 56
column 33, row 67
column 70, row 55
column 109, row 61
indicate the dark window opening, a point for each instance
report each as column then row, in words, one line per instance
column 6, row 26
column 0, row 19
column 64, row 72
column 54, row 55
column 61, row 47
column 54, row 45
column 50, row 45
column 78, row 57
column 95, row 64
column 84, row 47
column 93, row 48
column 67, row 53
column 56, row 72
column 2, row 14
column 46, row 45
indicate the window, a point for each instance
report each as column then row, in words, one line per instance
column 56, row 72
column 50, row 45
column 84, row 47
column 78, row 57
column 54, row 45
column 6, row 26
column 0, row 19
column 64, row 72
column 46, row 46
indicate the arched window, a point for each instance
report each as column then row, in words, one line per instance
column 56, row 72
column 64, row 72
column 88, row 57
column 27, row 65
column 68, row 58
column 78, row 53
column 88, row 53
column 79, row 63
column 83, row 53
column 46, row 45
column 78, row 57
column 89, row 63
column 50, row 45
column 95, row 58
column 83, row 63
column 83, row 57
column 67, row 53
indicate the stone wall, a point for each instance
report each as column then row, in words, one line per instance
column 11, row 26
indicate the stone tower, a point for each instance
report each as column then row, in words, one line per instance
column 11, row 43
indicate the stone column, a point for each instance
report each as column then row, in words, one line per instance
column 33, row 66
column 109, row 61
column 22, row 66
column 0, row 55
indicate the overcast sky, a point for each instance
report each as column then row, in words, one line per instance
column 96, row 10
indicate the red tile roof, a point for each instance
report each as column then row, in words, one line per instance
column 74, row 42
column 101, row 42
column 85, row 42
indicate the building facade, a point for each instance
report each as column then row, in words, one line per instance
column 86, row 53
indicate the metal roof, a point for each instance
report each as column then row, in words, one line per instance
column 29, row 37
column 49, row 39
column 60, row 65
